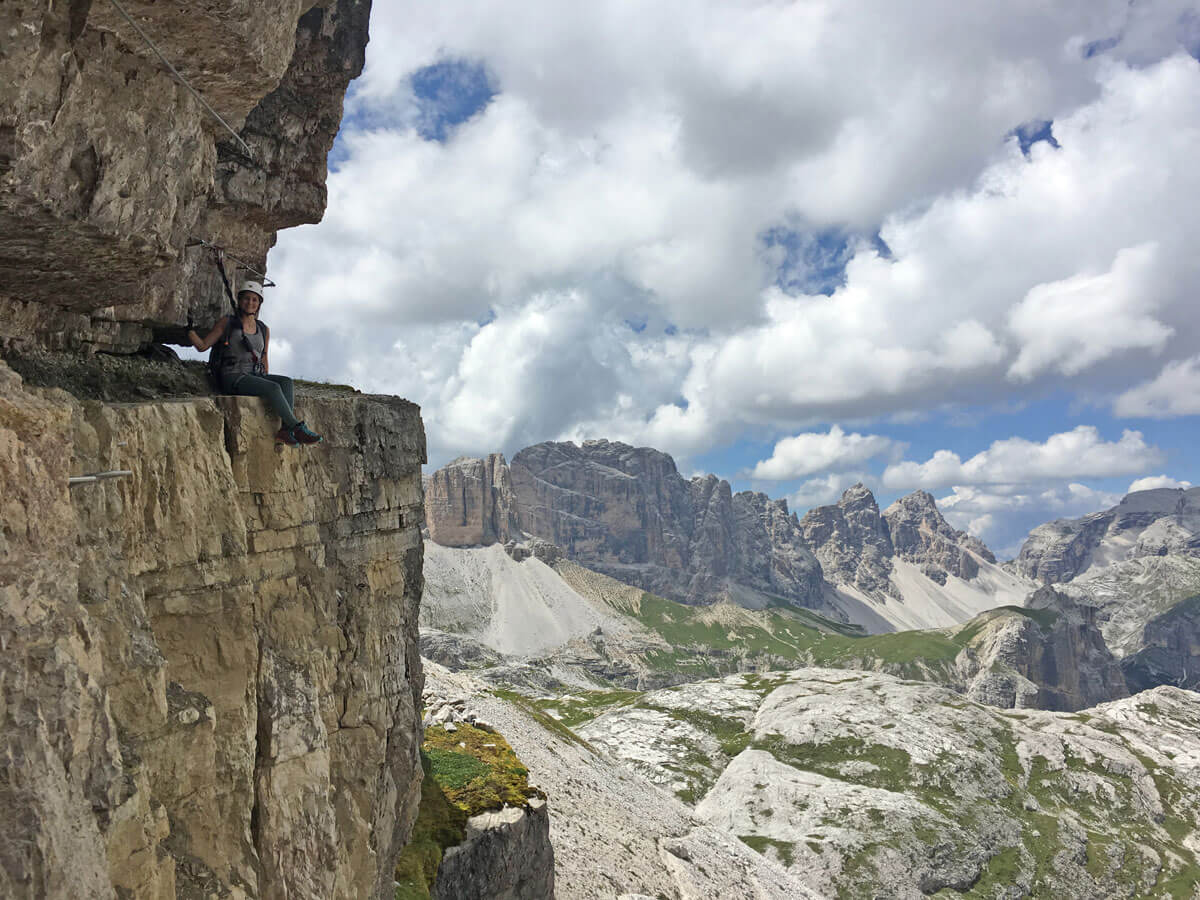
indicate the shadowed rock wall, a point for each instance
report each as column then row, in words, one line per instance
column 210, row 683
column 506, row 855
column 1055, row 658
column 108, row 164
column 1171, row 650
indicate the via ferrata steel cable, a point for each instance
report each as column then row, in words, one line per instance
column 149, row 43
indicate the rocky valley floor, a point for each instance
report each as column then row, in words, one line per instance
column 673, row 740
column 855, row 784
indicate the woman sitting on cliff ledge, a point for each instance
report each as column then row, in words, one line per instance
column 242, row 363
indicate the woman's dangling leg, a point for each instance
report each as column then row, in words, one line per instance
column 271, row 392
column 285, row 385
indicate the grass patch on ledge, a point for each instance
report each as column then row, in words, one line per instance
column 467, row 771
column 476, row 768
column 1045, row 619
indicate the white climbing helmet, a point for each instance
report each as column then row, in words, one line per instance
column 252, row 286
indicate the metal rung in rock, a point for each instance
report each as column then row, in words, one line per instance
column 97, row 476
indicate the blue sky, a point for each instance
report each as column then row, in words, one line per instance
column 943, row 247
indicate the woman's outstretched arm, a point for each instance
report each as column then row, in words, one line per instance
column 208, row 340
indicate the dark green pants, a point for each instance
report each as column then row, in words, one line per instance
column 276, row 390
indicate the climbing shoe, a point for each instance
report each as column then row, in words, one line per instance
column 284, row 436
column 305, row 435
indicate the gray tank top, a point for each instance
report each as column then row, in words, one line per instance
column 239, row 357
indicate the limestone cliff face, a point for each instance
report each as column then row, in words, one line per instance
column 108, row 165
column 628, row 513
column 470, row 502
column 1052, row 657
column 920, row 535
column 506, row 854
column 857, row 544
column 852, row 542
column 1163, row 522
column 1170, row 651
column 210, row 682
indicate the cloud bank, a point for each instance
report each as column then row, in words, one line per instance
column 805, row 454
column 1079, row 453
column 693, row 224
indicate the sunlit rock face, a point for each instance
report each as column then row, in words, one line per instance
column 921, row 536
column 1051, row 657
column 1161, row 522
column 860, row 783
column 1137, row 564
column 852, row 542
column 627, row 512
column 857, row 544
column 470, row 503
column 906, row 567
column 108, row 165
column 211, row 680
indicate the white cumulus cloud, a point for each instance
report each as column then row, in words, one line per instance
column 1079, row 453
column 1152, row 482
column 1000, row 280
column 811, row 452
column 1174, row 392
column 1072, row 324
column 635, row 156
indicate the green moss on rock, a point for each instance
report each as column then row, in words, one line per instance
column 467, row 771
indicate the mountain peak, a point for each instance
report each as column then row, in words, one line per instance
column 922, row 535
column 858, row 496
column 919, row 499
column 1151, row 523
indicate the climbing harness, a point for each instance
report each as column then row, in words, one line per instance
column 216, row 356
column 149, row 43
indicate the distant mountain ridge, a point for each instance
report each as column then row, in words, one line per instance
column 1160, row 522
column 1138, row 565
column 857, row 544
column 627, row 512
